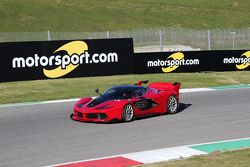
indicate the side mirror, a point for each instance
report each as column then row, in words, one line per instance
column 97, row 91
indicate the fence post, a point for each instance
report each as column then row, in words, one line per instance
column 208, row 40
column 233, row 35
column 161, row 42
column 108, row 34
column 49, row 37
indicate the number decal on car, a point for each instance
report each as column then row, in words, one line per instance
column 145, row 104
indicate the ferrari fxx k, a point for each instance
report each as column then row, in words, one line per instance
column 126, row 102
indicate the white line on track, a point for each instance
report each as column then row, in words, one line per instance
column 152, row 156
column 190, row 90
column 76, row 99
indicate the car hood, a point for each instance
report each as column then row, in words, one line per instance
column 94, row 105
column 99, row 100
column 98, row 104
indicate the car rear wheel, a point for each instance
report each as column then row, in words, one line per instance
column 172, row 105
column 127, row 113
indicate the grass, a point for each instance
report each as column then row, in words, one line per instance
column 237, row 158
column 27, row 91
column 110, row 15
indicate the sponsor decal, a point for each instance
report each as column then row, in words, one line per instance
column 173, row 62
column 77, row 54
column 241, row 62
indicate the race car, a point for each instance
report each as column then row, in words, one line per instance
column 129, row 101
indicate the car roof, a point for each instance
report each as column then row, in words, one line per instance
column 126, row 87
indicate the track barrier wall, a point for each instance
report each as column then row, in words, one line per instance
column 59, row 59
column 192, row 61
column 103, row 57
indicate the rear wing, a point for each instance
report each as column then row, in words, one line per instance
column 141, row 82
column 166, row 86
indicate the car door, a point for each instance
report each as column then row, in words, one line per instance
column 144, row 103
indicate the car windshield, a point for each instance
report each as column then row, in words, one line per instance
column 123, row 92
column 119, row 93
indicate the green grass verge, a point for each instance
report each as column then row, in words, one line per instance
column 110, row 15
column 27, row 91
column 237, row 158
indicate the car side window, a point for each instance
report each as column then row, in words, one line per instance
column 124, row 95
column 139, row 92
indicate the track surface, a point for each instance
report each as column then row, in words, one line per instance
column 39, row 135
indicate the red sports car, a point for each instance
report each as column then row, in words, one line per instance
column 126, row 102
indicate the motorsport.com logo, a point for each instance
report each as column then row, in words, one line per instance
column 64, row 61
column 77, row 54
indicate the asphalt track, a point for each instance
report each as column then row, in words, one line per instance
column 39, row 135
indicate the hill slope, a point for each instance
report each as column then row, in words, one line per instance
column 96, row 15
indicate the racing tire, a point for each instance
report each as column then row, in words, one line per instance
column 128, row 113
column 172, row 105
column 71, row 116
